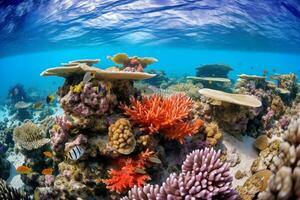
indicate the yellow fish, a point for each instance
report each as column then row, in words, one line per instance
column 23, row 169
column 50, row 99
column 47, row 171
column 48, row 154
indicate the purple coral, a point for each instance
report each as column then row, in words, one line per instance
column 267, row 118
column 92, row 100
column 203, row 176
column 59, row 135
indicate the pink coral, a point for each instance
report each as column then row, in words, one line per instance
column 204, row 176
column 79, row 141
column 95, row 99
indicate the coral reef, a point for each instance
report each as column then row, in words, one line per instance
column 203, row 176
column 17, row 93
column 167, row 115
column 121, row 137
column 188, row 88
column 29, row 136
column 212, row 132
column 213, row 70
column 131, row 64
column 284, row 183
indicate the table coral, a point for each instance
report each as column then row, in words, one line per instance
column 167, row 115
column 121, row 137
column 203, row 176
column 29, row 136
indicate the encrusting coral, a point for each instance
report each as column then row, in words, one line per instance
column 285, row 183
column 29, row 136
column 212, row 132
column 95, row 98
column 121, row 137
column 204, row 176
column 166, row 115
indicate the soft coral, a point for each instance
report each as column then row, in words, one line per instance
column 169, row 115
column 127, row 176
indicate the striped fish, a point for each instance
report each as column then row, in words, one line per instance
column 75, row 153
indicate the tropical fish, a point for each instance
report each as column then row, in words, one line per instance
column 271, row 77
column 48, row 154
column 50, row 99
column 24, row 169
column 47, row 171
column 37, row 105
column 88, row 76
column 75, row 153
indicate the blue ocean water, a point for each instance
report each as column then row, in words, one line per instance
column 251, row 36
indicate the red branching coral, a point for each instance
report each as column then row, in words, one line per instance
column 128, row 176
column 125, row 178
column 169, row 115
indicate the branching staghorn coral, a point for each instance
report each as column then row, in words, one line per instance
column 204, row 176
column 29, row 136
column 167, row 115
column 285, row 183
column 127, row 176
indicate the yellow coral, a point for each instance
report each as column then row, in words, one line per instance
column 213, row 134
column 76, row 88
column 143, row 140
column 29, row 136
column 121, row 137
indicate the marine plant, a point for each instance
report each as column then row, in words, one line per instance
column 167, row 115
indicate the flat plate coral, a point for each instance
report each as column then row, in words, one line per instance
column 212, row 79
column 81, row 68
column 239, row 99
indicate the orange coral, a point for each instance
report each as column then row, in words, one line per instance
column 168, row 115
column 125, row 178
column 128, row 176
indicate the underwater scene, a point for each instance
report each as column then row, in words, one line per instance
column 149, row 100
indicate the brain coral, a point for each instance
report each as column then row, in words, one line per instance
column 29, row 136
